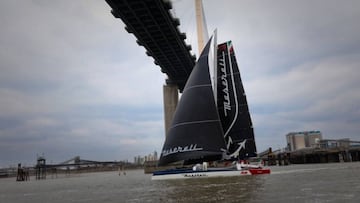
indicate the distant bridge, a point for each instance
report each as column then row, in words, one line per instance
column 156, row 29
column 88, row 163
column 76, row 161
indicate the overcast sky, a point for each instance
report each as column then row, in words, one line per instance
column 74, row 82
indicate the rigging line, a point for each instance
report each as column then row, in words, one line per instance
column 235, row 95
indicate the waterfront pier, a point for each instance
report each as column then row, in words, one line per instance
column 312, row 155
column 40, row 168
column 22, row 173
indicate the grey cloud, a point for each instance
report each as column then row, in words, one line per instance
column 69, row 75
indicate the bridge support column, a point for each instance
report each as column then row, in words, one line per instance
column 171, row 98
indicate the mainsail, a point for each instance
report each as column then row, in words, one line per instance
column 212, row 119
column 232, row 105
column 196, row 133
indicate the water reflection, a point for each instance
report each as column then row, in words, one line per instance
column 229, row 189
column 338, row 182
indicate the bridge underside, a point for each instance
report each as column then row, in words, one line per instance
column 156, row 29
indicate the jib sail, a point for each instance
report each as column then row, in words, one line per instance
column 232, row 105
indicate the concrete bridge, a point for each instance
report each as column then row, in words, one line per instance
column 157, row 31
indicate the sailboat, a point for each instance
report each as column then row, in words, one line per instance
column 211, row 123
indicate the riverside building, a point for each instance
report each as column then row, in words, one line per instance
column 305, row 139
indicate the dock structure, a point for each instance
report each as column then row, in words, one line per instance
column 22, row 173
column 327, row 151
column 338, row 154
column 40, row 168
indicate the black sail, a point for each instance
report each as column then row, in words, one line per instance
column 232, row 105
column 196, row 133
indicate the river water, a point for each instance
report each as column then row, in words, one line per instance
column 335, row 182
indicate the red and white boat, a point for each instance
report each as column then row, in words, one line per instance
column 212, row 120
column 202, row 171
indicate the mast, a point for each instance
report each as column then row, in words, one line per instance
column 202, row 31
column 203, row 36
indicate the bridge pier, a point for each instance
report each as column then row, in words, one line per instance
column 171, row 98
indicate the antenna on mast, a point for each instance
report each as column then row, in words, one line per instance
column 202, row 31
